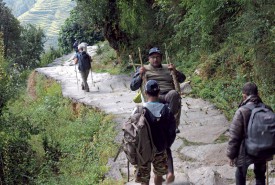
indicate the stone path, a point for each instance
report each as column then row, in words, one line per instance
column 198, row 151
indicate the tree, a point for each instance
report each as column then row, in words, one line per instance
column 127, row 25
column 3, row 76
column 30, row 47
column 78, row 29
column 10, row 27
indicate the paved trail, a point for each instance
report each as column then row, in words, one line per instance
column 199, row 158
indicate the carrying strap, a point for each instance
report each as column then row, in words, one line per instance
column 251, row 106
column 154, row 149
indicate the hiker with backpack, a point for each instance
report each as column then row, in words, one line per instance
column 252, row 136
column 75, row 46
column 83, row 59
column 155, row 70
column 155, row 128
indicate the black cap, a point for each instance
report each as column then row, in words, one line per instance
column 154, row 50
column 152, row 86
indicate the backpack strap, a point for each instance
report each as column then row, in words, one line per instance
column 249, row 106
column 142, row 110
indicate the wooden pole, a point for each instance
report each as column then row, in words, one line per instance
column 173, row 73
column 132, row 62
column 139, row 54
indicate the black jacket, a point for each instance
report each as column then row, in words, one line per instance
column 162, row 128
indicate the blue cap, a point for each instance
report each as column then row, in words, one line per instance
column 152, row 86
column 154, row 50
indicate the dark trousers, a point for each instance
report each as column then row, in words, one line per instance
column 84, row 76
column 174, row 102
column 259, row 171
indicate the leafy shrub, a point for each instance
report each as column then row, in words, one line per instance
column 17, row 159
column 50, row 56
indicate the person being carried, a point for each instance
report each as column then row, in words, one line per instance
column 161, row 73
column 162, row 125
column 236, row 149
column 83, row 59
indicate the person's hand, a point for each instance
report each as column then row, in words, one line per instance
column 142, row 70
column 231, row 162
column 171, row 67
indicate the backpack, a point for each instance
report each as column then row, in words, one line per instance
column 260, row 139
column 137, row 141
column 84, row 62
column 75, row 45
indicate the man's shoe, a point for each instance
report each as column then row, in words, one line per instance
column 177, row 131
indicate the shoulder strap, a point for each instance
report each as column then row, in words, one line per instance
column 252, row 106
column 139, row 109
column 249, row 106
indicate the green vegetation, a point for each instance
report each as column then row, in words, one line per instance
column 250, row 175
column 50, row 140
column 105, row 60
column 50, row 56
column 222, row 139
column 46, row 139
column 77, row 30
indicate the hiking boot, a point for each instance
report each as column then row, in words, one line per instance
column 177, row 131
column 82, row 86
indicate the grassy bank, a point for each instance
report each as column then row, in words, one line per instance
column 68, row 142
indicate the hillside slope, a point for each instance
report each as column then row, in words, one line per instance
column 19, row 7
column 47, row 14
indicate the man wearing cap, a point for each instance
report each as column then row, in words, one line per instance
column 155, row 70
column 162, row 125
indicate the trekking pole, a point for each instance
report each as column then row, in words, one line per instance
column 76, row 76
column 166, row 54
column 139, row 54
column 118, row 152
column 92, row 77
column 173, row 73
column 143, row 77
column 267, row 180
column 128, row 169
column 132, row 62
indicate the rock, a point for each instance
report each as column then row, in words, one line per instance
column 114, row 172
column 202, row 176
column 208, row 154
column 177, row 144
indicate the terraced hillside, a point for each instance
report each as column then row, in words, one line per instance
column 19, row 7
column 47, row 14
